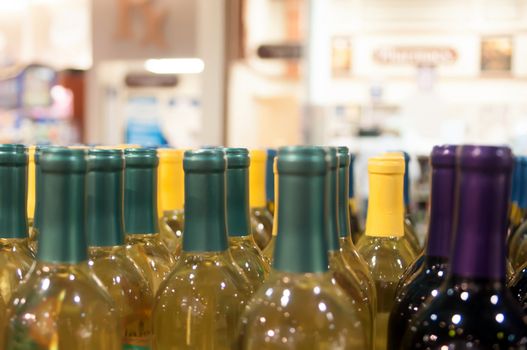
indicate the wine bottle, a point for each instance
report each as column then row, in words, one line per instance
column 518, row 286
column 30, row 186
column 518, row 239
column 384, row 246
column 426, row 280
column 146, row 248
column 269, row 180
column 34, row 230
column 514, row 218
column 347, row 247
column 355, row 226
column 268, row 251
column 409, row 229
column 473, row 307
column 170, row 196
column 244, row 250
column 108, row 260
column 299, row 307
column 15, row 256
column 199, row 304
column 261, row 218
column 344, row 275
column 60, row 304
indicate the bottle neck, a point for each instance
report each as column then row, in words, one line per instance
column 479, row 249
column 385, row 206
column 238, row 202
column 205, row 227
column 269, row 178
column 442, row 203
column 332, row 221
column 38, row 195
column 301, row 244
column 62, row 236
column 13, row 189
column 343, row 211
column 105, row 208
column 140, row 200
column 257, row 183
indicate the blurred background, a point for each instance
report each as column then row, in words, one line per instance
column 375, row 75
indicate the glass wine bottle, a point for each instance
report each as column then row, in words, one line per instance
column 199, row 304
column 268, row 251
column 473, row 307
column 343, row 274
column 518, row 239
column 269, row 180
column 108, row 260
column 514, row 214
column 15, row 256
column 146, row 248
column 60, row 304
column 30, row 186
column 261, row 218
column 355, row 224
column 384, row 246
column 426, row 280
column 299, row 306
column 170, row 196
column 347, row 247
column 518, row 286
column 244, row 250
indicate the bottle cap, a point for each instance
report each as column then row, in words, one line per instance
column 105, row 159
column 62, row 159
column 205, row 160
column 302, row 160
column 141, row 157
column 237, row 158
column 13, row 154
column 257, row 175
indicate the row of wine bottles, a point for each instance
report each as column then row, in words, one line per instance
column 225, row 273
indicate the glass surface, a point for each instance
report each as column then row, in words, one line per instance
column 387, row 259
column 411, row 236
column 129, row 290
column 171, row 230
column 33, row 239
column 151, row 255
column 412, row 296
column 268, row 251
column 410, row 273
column 200, row 303
column 346, row 278
column 62, row 306
column 518, row 247
column 248, row 257
column 478, row 314
column 518, row 286
column 360, row 268
column 16, row 260
column 301, row 311
column 356, row 231
column 261, row 226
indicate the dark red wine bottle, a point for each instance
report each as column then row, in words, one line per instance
column 474, row 308
column 426, row 281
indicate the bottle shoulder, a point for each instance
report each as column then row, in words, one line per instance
column 72, row 285
column 388, row 254
column 286, row 301
column 488, row 315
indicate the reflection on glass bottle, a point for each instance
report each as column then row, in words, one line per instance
column 244, row 250
column 261, row 218
column 199, row 304
column 15, row 256
column 146, row 248
column 109, row 262
column 518, row 238
column 384, row 246
column 170, row 195
column 426, row 280
column 473, row 307
column 60, row 304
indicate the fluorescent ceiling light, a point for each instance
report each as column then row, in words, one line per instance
column 175, row 65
